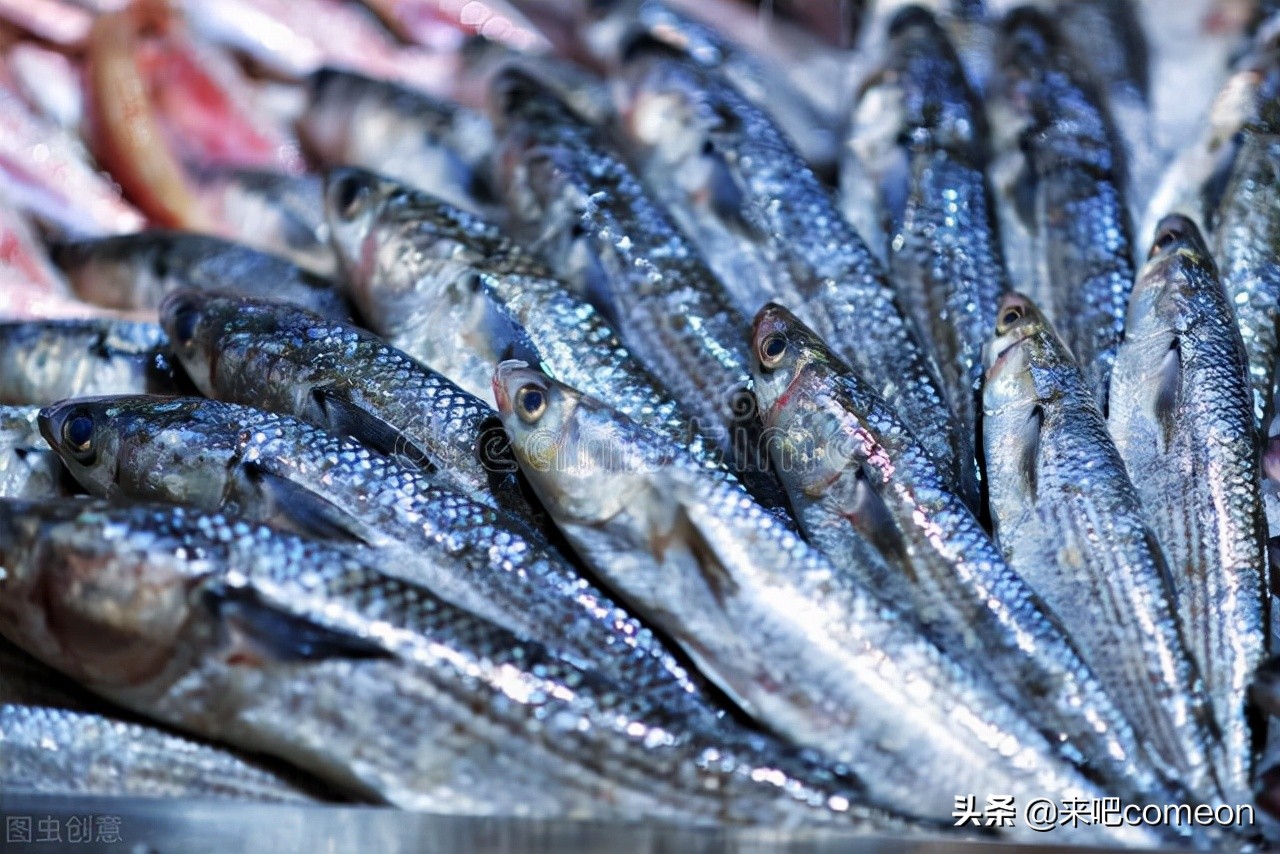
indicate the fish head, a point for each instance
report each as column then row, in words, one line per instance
column 325, row 126
column 354, row 199
column 202, row 328
column 143, row 447
column 574, row 450
column 1011, row 352
column 1178, row 265
column 782, row 347
column 107, row 271
column 80, row 595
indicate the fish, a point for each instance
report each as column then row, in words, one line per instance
column 821, row 661
column 435, row 145
column 806, row 254
column 288, row 474
column 137, row 271
column 574, row 201
column 276, row 644
column 28, row 468
column 1069, row 521
column 50, row 360
column 805, row 115
column 1069, row 194
column 65, row 752
column 945, row 254
column 271, row 211
column 1109, row 41
column 450, row 289
column 861, row 482
column 1182, row 419
column 24, row 681
column 1246, row 231
column 442, row 25
column 285, row 359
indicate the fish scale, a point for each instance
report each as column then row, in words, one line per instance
column 500, row 725
column 468, row 553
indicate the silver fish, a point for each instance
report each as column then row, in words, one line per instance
column 1181, row 416
column 285, row 359
column 1246, row 236
column 945, row 255
column 286, row 473
column 272, row 643
column 271, row 211
column 137, row 271
column 818, row 659
column 48, row 360
column 437, row 146
column 1069, row 521
column 54, row 751
column 1069, row 194
column 759, row 191
column 858, row 480
column 28, row 469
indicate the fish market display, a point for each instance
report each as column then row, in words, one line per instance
column 847, row 415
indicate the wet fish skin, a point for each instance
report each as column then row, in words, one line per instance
column 765, row 616
column 274, row 643
column 48, row 360
column 782, row 214
column 1071, row 195
column 28, row 469
column 285, row 359
column 1246, row 234
column 407, row 134
column 408, row 255
column 137, row 271
column 577, row 204
column 283, row 472
column 274, row 212
column 945, row 255
column 859, row 479
column 1181, row 416
column 55, row 751
column 1070, row 522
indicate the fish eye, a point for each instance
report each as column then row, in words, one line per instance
column 531, row 402
column 772, row 348
column 1009, row 316
column 77, row 432
column 348, row 195
column 185, row 318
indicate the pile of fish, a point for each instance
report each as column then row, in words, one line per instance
column 645, row 410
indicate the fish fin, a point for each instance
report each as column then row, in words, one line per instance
column 304, row 511
column 1168, row 391
column 347, row 418
column 1031, row 434
column 258, row 632
column 872, row 518
column 1162, row 563
column 683, row 530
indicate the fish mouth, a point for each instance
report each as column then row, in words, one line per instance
column 502, row 378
